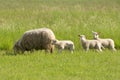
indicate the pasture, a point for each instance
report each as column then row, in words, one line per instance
column 67, row 19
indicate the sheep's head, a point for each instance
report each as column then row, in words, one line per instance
column 17, row 47
column 95, row 35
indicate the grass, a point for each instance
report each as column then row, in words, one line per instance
column 67, row 18
column 61, row 66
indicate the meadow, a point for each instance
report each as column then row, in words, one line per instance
column 67, row 19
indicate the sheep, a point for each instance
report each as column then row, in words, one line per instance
column 37, row 39
column 106, row 43
column 64, row 44
column 90, row 44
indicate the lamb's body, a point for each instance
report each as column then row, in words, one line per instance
column 106, row 43
column 37, row 39
column 90, row 44
column 64, row 44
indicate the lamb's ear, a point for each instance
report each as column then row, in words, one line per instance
column 98, row 32
column 93, row 31
column 53, row 41
column 78, row 35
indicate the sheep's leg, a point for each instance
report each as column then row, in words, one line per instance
column 22, row 51
column 51, row 50
column 46, row 50
column 32, row 50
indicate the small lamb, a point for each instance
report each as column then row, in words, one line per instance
column 90, row 44
column 63, row 44
column 106, row 43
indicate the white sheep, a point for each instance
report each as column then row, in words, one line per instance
column 64, row 44
column 106, row 43
column 38, row 39
column 90, row 44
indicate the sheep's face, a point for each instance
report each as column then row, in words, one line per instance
column 95, row 35
column 17, row 47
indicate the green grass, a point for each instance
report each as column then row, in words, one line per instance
column 67, row 19
column 81, row 65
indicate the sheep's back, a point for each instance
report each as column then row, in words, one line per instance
column 38, row 38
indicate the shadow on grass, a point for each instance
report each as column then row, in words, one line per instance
column 12, row 53
column 9, row 53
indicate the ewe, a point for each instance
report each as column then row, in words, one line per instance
column 106, row 43
column 37, row 39
column 64, row 44
column 90, row 44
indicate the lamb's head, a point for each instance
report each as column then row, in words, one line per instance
column 82, row 37
column 95, row 35
column 54, row 41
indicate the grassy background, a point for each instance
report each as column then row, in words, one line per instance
column 67, row 18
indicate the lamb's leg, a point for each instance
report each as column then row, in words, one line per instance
column 113, row 49
column 99, row 48
column 87, row 49
column 60, row 50
column 71, row 50
column 102, row 47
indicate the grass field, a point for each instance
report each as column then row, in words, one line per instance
column 67, row 19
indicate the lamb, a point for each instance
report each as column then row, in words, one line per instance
column 106, row 43
column 64, row 44
column 90, row 44
column 37, row 39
